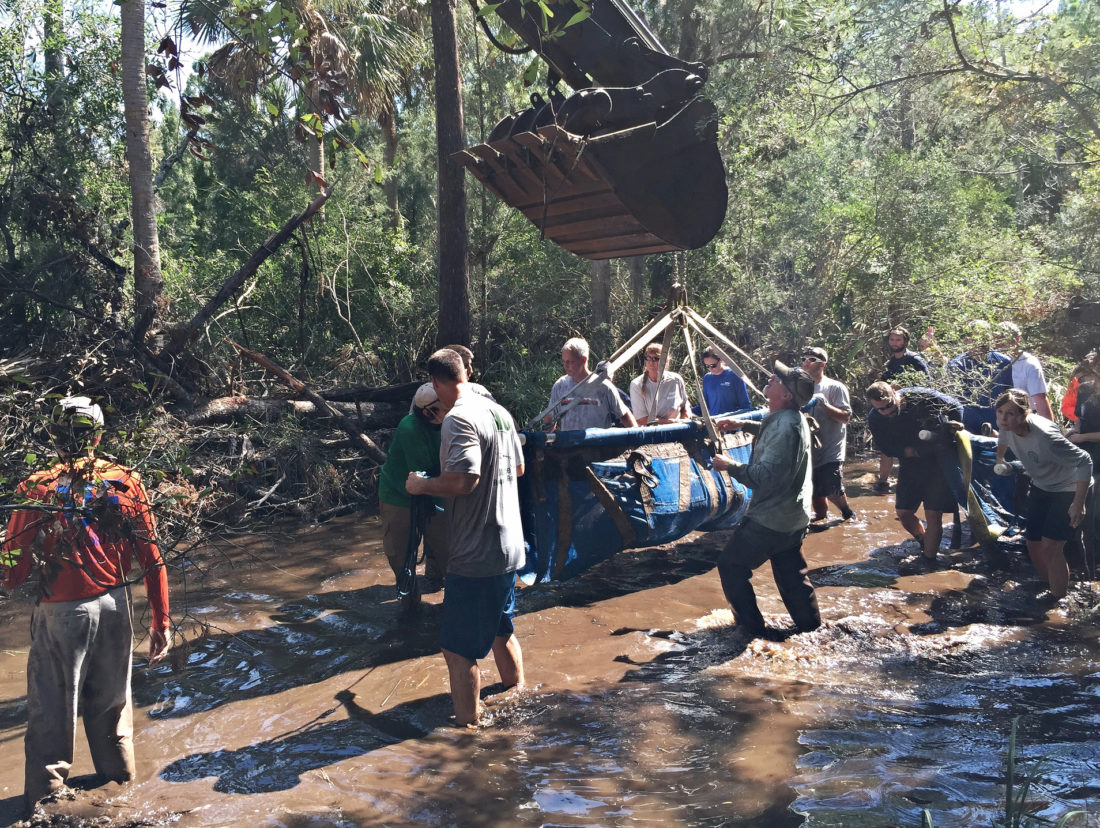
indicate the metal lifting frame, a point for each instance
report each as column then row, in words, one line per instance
column 676, row 311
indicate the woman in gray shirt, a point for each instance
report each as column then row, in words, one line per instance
column 1060, row 475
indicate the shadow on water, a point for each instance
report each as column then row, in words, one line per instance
column 277, row 764
column 653, row 746
column 307, row 641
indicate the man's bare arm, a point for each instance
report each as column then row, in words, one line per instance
column 448, row 484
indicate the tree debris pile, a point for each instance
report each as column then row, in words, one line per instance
column 232, row 462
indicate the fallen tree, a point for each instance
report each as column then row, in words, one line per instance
column 358, row 438
column 265, row 409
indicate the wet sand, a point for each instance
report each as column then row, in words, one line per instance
column 301, row 697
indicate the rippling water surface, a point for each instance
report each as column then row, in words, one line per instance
column 301, row 698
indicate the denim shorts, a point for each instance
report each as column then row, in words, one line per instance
column 475, row 612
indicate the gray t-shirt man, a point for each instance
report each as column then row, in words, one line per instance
column 600, row 407
column 832, row 434
column 479, row 437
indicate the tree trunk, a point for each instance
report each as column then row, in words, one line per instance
column 387, row 120
column 600, row 291
column 316, row 143
column 688, row 48
column 906, row 128
column 454, row 275
column 148, row 281
column 53, row 36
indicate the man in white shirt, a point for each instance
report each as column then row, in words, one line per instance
column 1027, row 371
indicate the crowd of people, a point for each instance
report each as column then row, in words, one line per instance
column 994, row 388
column 452, row 477
column 796, row 470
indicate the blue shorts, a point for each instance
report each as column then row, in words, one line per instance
column 475, row 612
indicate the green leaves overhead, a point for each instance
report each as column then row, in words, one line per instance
column 531, row 73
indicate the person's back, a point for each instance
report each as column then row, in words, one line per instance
column 415, row 447
column 87, row 520
column 909, row 362
column 977, row 383
column 480, row 437
column 97, row 552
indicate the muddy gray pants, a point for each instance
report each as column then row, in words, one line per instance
column 79, row 662
column 752, row 545
column 396, row 525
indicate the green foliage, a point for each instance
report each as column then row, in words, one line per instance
column 874, row 180
column 63, row 192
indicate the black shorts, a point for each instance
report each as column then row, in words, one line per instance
column 1048, row 515
column 921, row 480
column 828, row 479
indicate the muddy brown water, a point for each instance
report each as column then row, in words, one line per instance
column 301, row 699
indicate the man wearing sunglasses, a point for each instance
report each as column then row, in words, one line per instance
column 86, row 519
column 831, row 407
column 723, row 390
column 897, row 421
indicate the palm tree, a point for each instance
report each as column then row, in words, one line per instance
column 351, row 58
column 148, row 281
column 454, row 273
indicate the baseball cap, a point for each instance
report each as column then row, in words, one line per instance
column 425, row 395
column 78, row 409
column 797, row 381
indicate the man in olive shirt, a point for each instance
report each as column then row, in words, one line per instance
column 779, row 475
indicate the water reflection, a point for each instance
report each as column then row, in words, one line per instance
column 317, row 705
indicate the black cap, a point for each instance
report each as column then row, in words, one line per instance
column 797, row 381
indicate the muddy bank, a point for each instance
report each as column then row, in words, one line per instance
column 301, row 698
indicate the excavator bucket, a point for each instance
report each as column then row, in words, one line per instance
column 628, row 164
column 644, row 189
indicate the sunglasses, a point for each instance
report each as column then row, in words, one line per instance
column 710, row 366
column 812, row 359
column 884, row 408
column 431, row 410
column 652, row 359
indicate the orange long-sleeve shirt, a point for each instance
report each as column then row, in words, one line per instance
column 88, row 538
